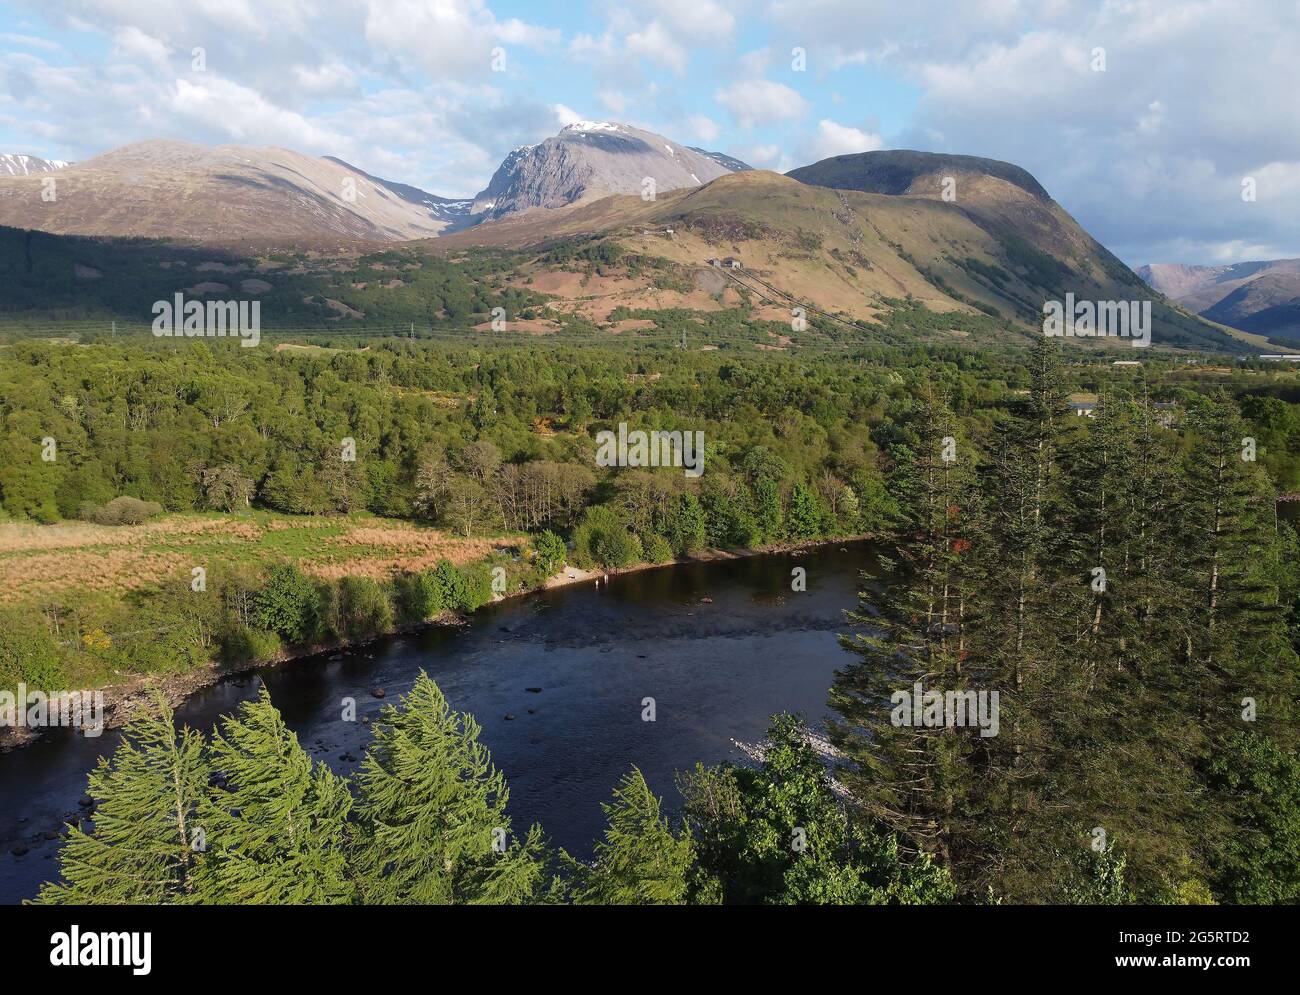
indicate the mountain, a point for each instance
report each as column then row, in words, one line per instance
column 168, row 189
column 1261, row 296
column 456, row 213
column 728, row 162
column 901, row 172
column 902, row 244
column 16, row 164
column 978, row 265
column 592, row 159
column 1034, row 250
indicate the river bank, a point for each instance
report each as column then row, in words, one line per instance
column 556, row 681
column 122, row 701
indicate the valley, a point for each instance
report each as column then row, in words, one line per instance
column 466, row 453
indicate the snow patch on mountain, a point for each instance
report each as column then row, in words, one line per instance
column 592, row 126
column 17, row 164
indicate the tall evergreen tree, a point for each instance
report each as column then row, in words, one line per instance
column 913, row 631
column 433, row 827
column 274, row 824
column 640, row 861
column 142, row 850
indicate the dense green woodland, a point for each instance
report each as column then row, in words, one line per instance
column 1148, row 727
column 1134, row 599
column 40, row 285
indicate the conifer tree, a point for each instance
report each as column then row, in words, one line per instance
column 907, row 777
column 433, row 827
column 640, row 861
column 142, row 848
column 273, row 823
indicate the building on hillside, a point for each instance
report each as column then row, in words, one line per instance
column 1083, row 409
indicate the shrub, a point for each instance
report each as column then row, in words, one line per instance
column 478, row 584
column 601, row 538
column 657, row 548
column 288, row 604
column 551, row 552
column 804, row 519
column 1259, row 784
column 121, row 511
column 245, row 645
column 28, row 652
column 418, row 596
column 686, row 526
column 363, row 608
column 453, row 588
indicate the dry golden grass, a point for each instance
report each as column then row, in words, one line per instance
column 42, row 561
column 76, row 535
column 67, row 571
column 385, row 567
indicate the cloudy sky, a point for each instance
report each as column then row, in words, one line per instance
column 1149, row 152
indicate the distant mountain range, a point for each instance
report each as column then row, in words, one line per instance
column 859, row 237
column 1261, row 297
column 171, row 189
column 15, row 164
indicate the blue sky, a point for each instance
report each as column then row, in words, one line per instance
column 1149, row 151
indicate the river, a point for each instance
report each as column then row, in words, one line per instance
column 717, row 670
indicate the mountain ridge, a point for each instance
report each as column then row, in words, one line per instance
column 592, row 159
column 19, row 164
column 1260, row 296
column 173, row 189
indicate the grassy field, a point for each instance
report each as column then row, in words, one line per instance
column 42, row 561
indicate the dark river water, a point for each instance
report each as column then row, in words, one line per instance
column 717, row 671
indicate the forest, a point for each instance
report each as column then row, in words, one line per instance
column 1126, row 582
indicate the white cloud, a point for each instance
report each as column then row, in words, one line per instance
column 567, row 115
column 831, row 139
column 30, row 41
column 330, row 79
column 704, row 21
column 132, row 43
column 704, row 127
column 246, row 116
column 765, row 154
column 759, row 102
column 446, row 38
column 1148, row 154
column 656, row 45
column 755, row 63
